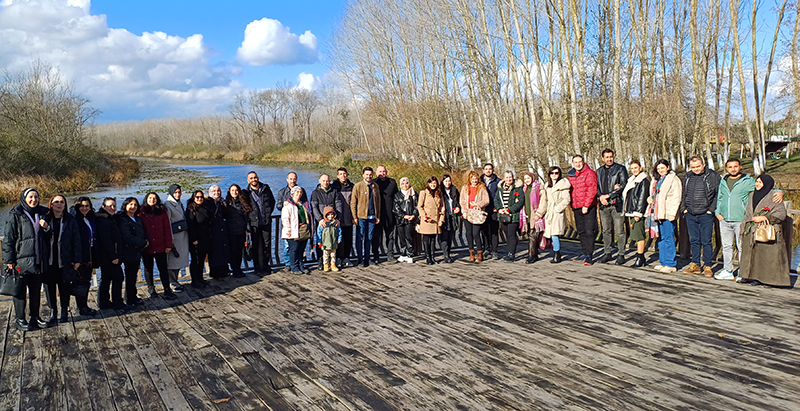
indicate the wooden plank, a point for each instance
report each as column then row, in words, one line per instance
column 54, row 384
column 102, row 369
column 11, row 370
column 32, row 393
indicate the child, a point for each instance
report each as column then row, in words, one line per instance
column 328, row 238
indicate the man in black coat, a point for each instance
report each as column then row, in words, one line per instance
column 700, row 189
column 345, row 188
column 388, row 188
column 263, row 202
column 324, row 196
column 107, row 256
column 490, row 228
column 611, row 181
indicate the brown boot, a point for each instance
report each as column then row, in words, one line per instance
column 480, row 256
column 693, row 269
column 472, row 255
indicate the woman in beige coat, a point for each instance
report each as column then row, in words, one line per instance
column 473, row 196
column 431, row 216
column 555, row 219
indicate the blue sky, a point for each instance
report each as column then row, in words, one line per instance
column 170, row 58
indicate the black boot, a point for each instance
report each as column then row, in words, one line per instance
column 606, row 258
column 620, row 259
column 556, row 257
column 639, row 261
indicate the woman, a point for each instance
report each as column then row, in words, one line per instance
column 431, row 216
column 198, row 217
column 25, row 251
column 531, row 217
column 405, row 211
column 295, row 229
column 764, row 262
column 508, row 201
column 133, row 242
column 558, row 200
column 452, row 221
column 178, row 259
column 665, row 200
column 219, row 252
column 473, row 196
column 240, row 221
column 65, row 246
column 634, row 200
column 159, row 238
column 86, row 226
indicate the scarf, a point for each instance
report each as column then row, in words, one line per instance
column 408, row 193
column 534, row 196
column 758, row 195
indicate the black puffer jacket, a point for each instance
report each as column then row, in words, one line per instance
column 607, row 178
column 636, row 199
column 402, row 207
column 263, row 203
column 19, row 242
column 85, row 235
column 700, row 192
column 108, row 238
column 133, row 237
column 321, row 198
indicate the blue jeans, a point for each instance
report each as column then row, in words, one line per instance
column 556, row 243
column 701, row 228
column 364, row 238
column 666, row 243
column 285, row 254
column 296, row 249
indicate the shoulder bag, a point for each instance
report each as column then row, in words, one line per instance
column 179, row 226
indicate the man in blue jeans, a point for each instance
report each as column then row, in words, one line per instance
column 700, row 189
column 365, row 205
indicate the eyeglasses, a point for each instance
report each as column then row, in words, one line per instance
column 85, row 205
column 554, row 173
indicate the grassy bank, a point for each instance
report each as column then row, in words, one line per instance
column 103, row 171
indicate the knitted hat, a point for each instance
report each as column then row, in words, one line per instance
column 327, row 210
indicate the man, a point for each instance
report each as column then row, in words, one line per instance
column 700, row 189
column 491, row 227
column 365, row 205
column 611, row 180
column 345, row 188
column 263, row 202
column 584, row 206
column 106, row 257
column 283, row 196
column 324, row 196
column 732, row 199
column 388, row 188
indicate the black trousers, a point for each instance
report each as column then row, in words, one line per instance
column 346, row 247
column 161, row 262
column 236, row 247
column 405, row 239
column 131, row 274
column 197, row 265
column 473, row 235
column 111, row 275
column 586, row 225
column 511, row 230
column 490, row 230
column 446, row 241
column 262, row 247
column 383, row 230
column 30, row 285
column 429, row 244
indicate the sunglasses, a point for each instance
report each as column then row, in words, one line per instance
column 58, row 202
column 198, row 197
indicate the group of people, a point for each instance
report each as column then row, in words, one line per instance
column 59, row 248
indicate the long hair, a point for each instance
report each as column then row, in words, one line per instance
column 77, row 207
column 436, row 192
column 244, row 199
column 657, row 176
column 128, row 201
column 560, row 175
column 474, row 173
column 157, row 209
column 190, row 204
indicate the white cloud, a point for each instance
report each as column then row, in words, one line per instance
column 114, row 68
column 267, row 41
column 307, row 81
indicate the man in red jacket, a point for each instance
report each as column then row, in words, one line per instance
column 584, row 205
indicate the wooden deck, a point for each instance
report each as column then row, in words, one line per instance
column 396, row 336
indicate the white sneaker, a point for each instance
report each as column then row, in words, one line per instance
column 410, row 260
column 658, row 267
column 724, row 275
column 668, row 270
column 402, row 259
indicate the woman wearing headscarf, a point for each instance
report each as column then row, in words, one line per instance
column 531, row 217
column 178, row 258
column 159, row 243
column 405, row 211
column 219, row 252
column 240, row 221
column 199, row 216
column 764, row 262
column 64, row 258
column 80, row 279
column 452, row 221
column 133, row 240
column 431, row 216
column 25, row 251
column 296, row 229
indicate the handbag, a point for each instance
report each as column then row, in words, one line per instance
column 302, row 231
column 765, row 233
column 9, row 282
column 475, row 216
column 504, row 218
column 179, row 226
column 545, row 243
